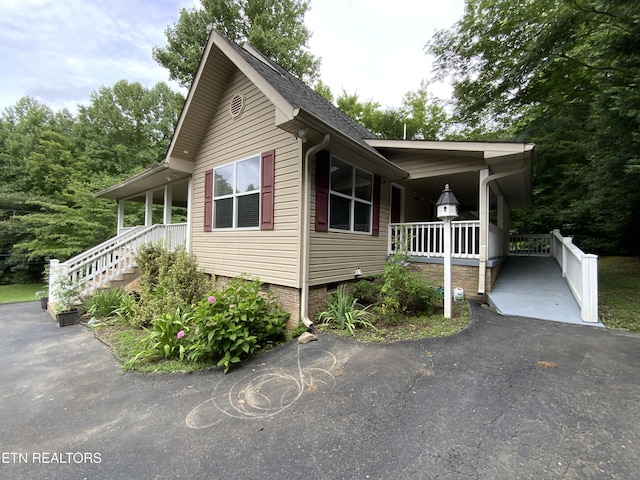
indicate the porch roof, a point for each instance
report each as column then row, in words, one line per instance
column 430, row 162
column 154, row 179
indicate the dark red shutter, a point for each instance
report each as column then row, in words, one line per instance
column 208, row 200
column 267, row 189
column 323, row 162
column 375, row 227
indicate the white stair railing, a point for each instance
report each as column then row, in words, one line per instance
column 104, row 263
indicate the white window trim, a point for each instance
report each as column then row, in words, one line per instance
column 236, row 195
column 352, row 198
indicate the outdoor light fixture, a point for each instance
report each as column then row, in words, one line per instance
column 447, row 208
column 300, row 134
column 357, row 272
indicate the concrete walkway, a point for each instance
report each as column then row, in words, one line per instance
column 533, row 287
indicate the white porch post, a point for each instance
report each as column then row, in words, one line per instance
column 168, row 204
column 120, row 215
column 484, row 228
column 447, row 268
column 57, row 272
column 148, row 211
column 189, row 215
column 589, row 307
column 504, row 213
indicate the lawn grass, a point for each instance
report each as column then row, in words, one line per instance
column 125, row 341
column 20, row 293
column 619, row 292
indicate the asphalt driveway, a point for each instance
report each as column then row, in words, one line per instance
column 507, row 398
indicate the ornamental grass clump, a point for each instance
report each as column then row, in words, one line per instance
column 344, row 312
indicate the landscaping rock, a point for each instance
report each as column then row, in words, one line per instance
column 307, row 337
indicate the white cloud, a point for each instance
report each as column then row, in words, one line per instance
column 59, row 51
column 376, row 47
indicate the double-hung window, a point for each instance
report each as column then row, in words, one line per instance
column 236, row 194
column 350, row 197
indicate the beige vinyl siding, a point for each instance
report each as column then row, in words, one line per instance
column 271, row 255
column 433, row 166
column 416, row 209
column 334, row 255
column 208, row 92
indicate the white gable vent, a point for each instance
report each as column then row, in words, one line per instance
column 236, row 106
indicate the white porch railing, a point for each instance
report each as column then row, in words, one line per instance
column 530, row 245
column 426, row 239
column 581, row 273
column 101, row 264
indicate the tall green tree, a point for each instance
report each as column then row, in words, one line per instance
column 126, row 127
column 275, row 27
column 51, row 164
column 21, row 128
column 563, row 74
column 420, row 117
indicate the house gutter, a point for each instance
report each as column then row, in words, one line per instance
column 306, row 230
column 484, row 222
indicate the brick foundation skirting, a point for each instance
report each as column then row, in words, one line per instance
column 462, row 276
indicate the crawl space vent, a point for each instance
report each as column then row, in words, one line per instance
column 236, row 106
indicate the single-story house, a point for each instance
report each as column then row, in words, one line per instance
column 281, row 185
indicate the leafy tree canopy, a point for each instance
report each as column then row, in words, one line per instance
column 52, row 163
column 274, row 27
column 420, row 117
column 563, row 74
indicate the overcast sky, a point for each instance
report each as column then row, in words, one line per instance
column 58, row 51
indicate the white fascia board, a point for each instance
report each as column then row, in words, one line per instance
column 489, row 149
column 190, row 94
column 179, row 164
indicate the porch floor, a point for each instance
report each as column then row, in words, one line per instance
column 533, row 287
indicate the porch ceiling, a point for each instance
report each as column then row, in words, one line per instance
column 432, row 164
column 464, row 185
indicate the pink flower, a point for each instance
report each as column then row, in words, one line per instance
column 211, row 299
column 180, row 334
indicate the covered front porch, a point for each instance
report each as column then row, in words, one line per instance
column 488, row 179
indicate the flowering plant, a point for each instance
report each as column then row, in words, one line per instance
column 164, row 338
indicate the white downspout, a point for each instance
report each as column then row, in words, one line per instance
column 306, row 230
column 484, row 211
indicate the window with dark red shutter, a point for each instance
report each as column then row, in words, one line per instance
column 208, row 200
column 323, row 163
column 267, row 190
column 375, row 227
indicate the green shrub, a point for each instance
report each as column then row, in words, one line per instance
column 404, row 291
column 235, row 322
column 343, row 311
column 104, row 304
column 168, row 280
column 366, row 291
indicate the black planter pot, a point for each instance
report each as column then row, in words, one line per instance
column 43, row 302
column 70, row 317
